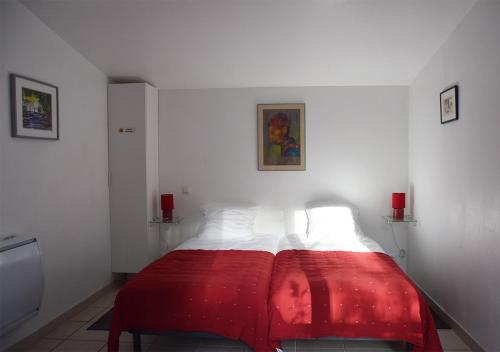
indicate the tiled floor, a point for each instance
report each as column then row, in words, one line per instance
column 73, row 336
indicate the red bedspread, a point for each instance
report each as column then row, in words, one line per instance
column 349, row 295
column 224, row 292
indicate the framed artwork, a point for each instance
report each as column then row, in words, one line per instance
column 34, row 108
column 449, row 105
column 281, row 137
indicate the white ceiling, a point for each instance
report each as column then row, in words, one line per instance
column 255, row 43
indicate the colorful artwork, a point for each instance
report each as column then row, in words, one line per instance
column 34, row 106
column 37, row 107
column 281, row 137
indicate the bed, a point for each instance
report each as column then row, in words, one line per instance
column 263, row 289
column 210, row 284
column 339, row 283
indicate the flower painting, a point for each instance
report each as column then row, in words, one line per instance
column 34, row 108
column 281, row 136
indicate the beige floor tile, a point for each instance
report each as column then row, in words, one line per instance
column 42, row 345
column 90, row 335
column 114, row 290
column 65, row 329
column 88, row 314
column 127, row 347
column 79, row 346
column 102, row 335
column 451, row 341
column 105, row 301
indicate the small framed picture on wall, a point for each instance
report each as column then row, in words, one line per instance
column 34, row 108
column 449, row 105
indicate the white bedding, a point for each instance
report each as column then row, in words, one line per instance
column 349, row 243
column 260, row 242
column 274, row 244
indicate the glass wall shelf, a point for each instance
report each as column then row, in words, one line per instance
column 175, row 221
column 408, row 219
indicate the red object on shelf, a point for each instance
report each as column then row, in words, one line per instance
column 398, row 214
column 398, row 206
column 167, row 205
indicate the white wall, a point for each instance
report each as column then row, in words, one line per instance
column 3, row 105
column 455, row 172
column 56, row 190
column 356, row 148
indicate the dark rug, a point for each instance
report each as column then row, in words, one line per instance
column 440, row 323
column 104, row 322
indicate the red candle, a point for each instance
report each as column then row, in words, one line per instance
column 398, row 200
column 398, row 206
column 167, row 205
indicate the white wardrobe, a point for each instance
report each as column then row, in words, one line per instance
column 133, row 165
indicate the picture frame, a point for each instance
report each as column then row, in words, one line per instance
column 449, row 104
column 34, row 108
column 281, row 137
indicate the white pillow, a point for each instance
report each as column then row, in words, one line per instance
column 228, row 221
column 337, row 221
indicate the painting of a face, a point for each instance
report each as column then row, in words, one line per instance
column 278, row 128
column 281, row 131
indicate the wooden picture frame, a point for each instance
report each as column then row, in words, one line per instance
column 34, row 108
column 449, row 104
column 281, row 137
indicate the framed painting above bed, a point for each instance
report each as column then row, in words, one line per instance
column 281, row 137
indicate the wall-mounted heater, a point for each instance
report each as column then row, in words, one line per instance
column 21, row 280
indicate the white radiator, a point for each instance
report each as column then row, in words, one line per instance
column 21, row 280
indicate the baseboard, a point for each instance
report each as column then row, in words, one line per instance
column 455, row 325
column 86, row 302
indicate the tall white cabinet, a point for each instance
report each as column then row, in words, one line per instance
column 133, row 164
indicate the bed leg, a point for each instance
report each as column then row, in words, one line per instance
column 136, row 338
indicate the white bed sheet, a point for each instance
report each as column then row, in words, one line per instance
column 260, row 242
column 276, row 243
column 350, row 243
